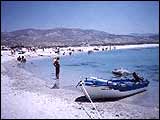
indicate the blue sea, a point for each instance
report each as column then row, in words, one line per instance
column 144, row 61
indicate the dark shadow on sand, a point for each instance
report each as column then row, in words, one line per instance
column 84, row 99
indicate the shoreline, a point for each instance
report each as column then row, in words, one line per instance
column 49, row 52
column 25, row 96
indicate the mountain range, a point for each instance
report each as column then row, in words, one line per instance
column 71, row 37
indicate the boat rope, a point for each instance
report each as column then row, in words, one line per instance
column 99, row 116
column 90, row 116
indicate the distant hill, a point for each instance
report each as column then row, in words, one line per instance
column 71, row 37
column 143, row 34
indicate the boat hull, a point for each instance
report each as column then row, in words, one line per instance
column 105, row 92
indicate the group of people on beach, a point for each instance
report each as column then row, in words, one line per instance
column 21, row 59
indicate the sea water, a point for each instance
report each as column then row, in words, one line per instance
column 144, row 61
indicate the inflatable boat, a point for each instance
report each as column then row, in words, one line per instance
column 101, row 88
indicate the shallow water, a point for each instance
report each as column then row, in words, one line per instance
column 145, row 61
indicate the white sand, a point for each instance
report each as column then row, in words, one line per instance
column 25, row 96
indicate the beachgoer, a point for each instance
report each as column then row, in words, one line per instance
column 23, row 59
column 136, row 77
column 12, row 52
column 57, row 69
column 70, row 53
column 19, row 58
column 57, row 66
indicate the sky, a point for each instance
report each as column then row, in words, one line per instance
column 116, row 17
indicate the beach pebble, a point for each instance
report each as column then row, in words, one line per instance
column 121, row 114
column 117, row 115
column 79, row 108
column 93, row 108
column 92, row 112
column 76, row 116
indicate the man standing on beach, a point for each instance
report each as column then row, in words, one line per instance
column 57, row 66
column 57, row 69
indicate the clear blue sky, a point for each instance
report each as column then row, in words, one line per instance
column 116, row 17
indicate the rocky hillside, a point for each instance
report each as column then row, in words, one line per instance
column 71, row 37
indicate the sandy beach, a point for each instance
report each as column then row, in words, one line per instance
column 23, row 95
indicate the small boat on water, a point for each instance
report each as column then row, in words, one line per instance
column 100, row 88
column 121, row 72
